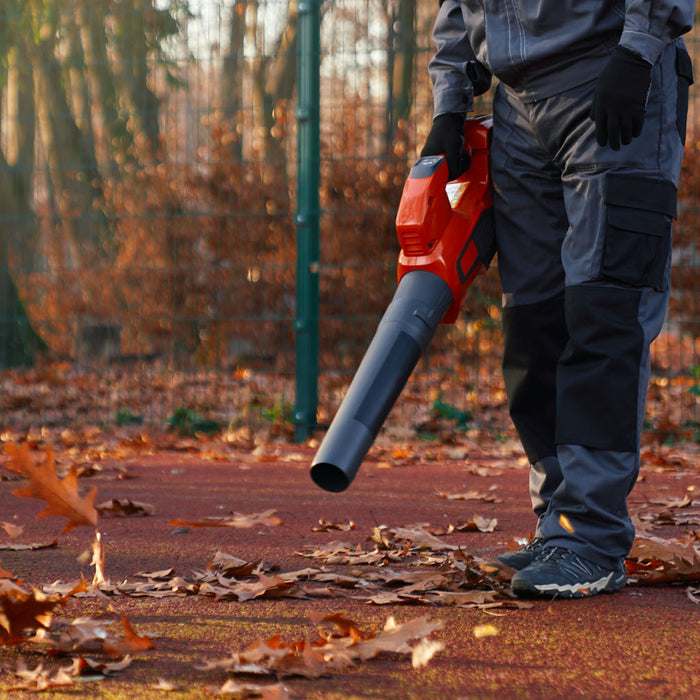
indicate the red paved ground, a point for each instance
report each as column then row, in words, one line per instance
column 641, row 642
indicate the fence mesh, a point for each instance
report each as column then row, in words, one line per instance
column 148, row 178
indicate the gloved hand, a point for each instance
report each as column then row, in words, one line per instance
column 620, row 98
column 446, row 137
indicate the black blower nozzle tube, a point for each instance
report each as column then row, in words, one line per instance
column 408, row 325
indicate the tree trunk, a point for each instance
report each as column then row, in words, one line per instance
column 19, row 342
column 72, row 167
column 19, row 129
column 232, row 74
column 284, row 67
column 274, row 80
column 20, row 125
column 131, row 40
column 402, row 49
column 78, row 87
column 115, row 138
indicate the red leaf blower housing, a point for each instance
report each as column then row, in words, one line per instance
column 446, row 234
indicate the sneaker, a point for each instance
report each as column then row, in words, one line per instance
column 522, row 557
column 561, row 573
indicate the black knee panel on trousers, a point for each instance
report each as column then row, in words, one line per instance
column 534, row 336
column 598, row 375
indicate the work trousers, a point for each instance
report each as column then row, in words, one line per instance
column 584, row 251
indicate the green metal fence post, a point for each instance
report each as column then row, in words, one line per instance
column 307, row 217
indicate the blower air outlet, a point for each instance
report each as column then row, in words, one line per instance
column 412, row 244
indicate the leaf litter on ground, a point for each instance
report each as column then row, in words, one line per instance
column 408, row 564
column 332, row 650
column 405, row 565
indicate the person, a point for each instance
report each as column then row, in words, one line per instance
column 589, row 118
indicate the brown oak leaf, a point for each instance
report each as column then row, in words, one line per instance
column 124, row 507
column 40, row 678
column 22, row 610
column 265, row 519
column 61, row 495
column 130, row 642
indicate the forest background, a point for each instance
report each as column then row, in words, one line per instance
column 148, row 160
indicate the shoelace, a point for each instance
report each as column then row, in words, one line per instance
column 555, row 554
column 533, row 544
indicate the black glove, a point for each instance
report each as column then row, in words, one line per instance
column 446, row 138
column 620, row 98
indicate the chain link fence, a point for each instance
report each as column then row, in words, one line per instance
column 148, row 171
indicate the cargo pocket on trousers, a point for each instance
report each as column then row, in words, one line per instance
column 638, row 231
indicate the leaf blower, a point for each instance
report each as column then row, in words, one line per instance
column 446, row 234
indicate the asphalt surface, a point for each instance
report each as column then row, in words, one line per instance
column 641, row 642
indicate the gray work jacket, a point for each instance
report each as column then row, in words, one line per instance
column 540, row 48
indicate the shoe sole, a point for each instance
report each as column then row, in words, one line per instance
column 607, row 584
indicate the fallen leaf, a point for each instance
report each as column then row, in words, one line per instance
column 344, row 627
column 327, row 525
column 684, row 502
column 486, row 471
column 264, row 587
column 82, row 636
column 266, row 519
column 130, row 642
column 481, row 631
column 124, row 507
column 22, row 610
column 463, row 599
column 478, row 524
column 379, row 538
column 98, row 561
column 421, row 538
column 66, row 589
column 105, row 668
column 334, row 651
column 13, row 531
column 566, row 523
column 424, row 651
column 395, row 638
column 61, row 495
column 40, row 678
column 253, row 690
column 232, row 566
column 655, row 560
column 29, row 547
column 440, row 531
column 162, row 574
column 468, row 496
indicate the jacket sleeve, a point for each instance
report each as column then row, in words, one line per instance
column 650, row 25
column 456, row 74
